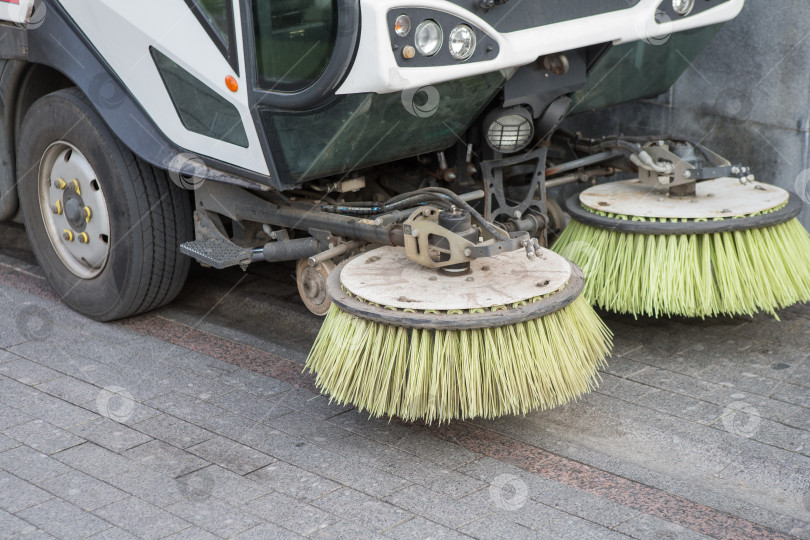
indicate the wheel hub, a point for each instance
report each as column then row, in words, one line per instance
column 74, row 210
column 312, row 285
column 74, row 205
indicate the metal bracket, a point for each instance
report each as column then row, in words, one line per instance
column 684, row 173
column 741, row 172
column 493, row 177
column 491, row 249
column 418, row 230
column 423, row 224
column 680, row 168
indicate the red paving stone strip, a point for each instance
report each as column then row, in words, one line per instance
column 256, row 360
column 25, row 282
column 646, row 499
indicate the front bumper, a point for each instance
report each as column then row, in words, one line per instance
column 566, row 26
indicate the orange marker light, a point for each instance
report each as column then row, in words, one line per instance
column 402, row 26
column 231, row 83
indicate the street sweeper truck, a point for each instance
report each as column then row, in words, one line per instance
column 400, row 152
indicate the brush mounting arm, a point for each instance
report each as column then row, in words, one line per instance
column 660, row 164
column 661, row 161
column 742, row 172
column 430, row 244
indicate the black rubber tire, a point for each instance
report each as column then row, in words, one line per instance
column 150, row 216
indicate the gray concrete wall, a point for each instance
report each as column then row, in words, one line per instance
column 747, row 96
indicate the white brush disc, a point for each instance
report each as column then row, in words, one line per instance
column 385, row 276
column 720, row 198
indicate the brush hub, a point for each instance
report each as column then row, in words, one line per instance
column 457, row 221
column 383, row 285
column 721, row 205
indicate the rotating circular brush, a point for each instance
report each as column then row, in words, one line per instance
column 732, row 248
column 509, row 337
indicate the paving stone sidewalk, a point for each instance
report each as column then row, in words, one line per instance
column 698, row 429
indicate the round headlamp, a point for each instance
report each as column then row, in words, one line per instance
column 428, row 37
column 462, row 42
column 683, row 7
column 402, row 26
column 509, row 130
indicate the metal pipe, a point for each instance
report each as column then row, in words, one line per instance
column 579, row 177
column 563, row 180
column 530, row 224
column 286, row 250
column 336, row 224
column 241, row 205
column 393, row 217
column 583, row 162
column 473, row 195
column 331, row 253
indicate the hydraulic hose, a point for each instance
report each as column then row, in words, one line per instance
column 486, row 225
column 366, row 209
column 434, row 195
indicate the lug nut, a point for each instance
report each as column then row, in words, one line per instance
column 67, row 235
column 75, row 185
column 57, row 208
column 84, row 238
column 87, row 214
column 60, row 183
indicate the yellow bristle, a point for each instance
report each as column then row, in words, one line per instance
column 700, row 275
column 443, row 375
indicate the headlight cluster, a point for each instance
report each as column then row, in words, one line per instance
column 428, row 37
column 462, row 42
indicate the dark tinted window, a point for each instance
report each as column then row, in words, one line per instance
column 216, row 13
column 216, row 16
column 294, row 41
column 200, row 109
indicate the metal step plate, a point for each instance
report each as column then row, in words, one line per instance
column 216, row 252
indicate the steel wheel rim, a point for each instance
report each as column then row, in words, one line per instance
column 74, row 210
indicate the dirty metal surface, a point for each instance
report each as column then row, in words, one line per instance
column 720, row 198
column 387, row 277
